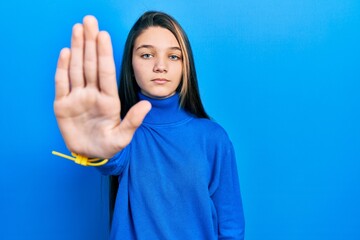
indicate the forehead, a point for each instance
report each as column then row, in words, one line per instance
column 158, row 37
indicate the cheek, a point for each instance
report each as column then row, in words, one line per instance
column 138, row 69
column 179, row 72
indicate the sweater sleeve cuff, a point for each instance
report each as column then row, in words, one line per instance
column 116, row 164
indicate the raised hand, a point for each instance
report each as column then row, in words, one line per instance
column 87, row 105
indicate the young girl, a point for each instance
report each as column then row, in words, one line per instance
column 176, row 169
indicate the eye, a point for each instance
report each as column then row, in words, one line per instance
column 146, row 55
column 174, row 57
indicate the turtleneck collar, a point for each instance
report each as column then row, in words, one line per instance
column 165, row 111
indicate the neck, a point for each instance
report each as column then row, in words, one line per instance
column 165, row 110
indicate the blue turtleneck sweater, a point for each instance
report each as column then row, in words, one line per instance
column 177, row 179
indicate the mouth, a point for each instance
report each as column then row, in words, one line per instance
column 160, row 80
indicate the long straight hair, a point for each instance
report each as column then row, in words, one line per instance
column 128, row 90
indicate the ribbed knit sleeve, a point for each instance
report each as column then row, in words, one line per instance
column 227, row 197
column 116, row 164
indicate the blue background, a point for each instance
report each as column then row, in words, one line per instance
column 282, row 77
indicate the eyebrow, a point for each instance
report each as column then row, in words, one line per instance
column 151, row 46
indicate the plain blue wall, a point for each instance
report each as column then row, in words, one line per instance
column 282, row 77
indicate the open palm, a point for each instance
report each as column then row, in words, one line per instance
column 87, row 105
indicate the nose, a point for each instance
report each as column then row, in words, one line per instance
column 160, row 65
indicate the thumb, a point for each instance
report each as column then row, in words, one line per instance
column 133, row 120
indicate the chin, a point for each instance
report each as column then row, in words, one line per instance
column 158, row 95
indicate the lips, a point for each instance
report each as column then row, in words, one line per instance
column 160, row 80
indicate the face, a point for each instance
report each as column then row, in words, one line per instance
column 157, row 62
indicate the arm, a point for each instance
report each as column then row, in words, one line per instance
column 87, row 105
column 227, row 197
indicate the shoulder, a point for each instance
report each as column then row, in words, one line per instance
column 211, row 130
column 210, row 125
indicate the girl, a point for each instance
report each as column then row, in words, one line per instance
column 175, row 168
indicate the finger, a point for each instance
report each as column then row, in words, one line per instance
column 62, row 86
column 107, row 73
column 77, row 54
column 91, row 30
column 133, row 120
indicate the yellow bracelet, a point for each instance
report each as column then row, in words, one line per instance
column 82, row 160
